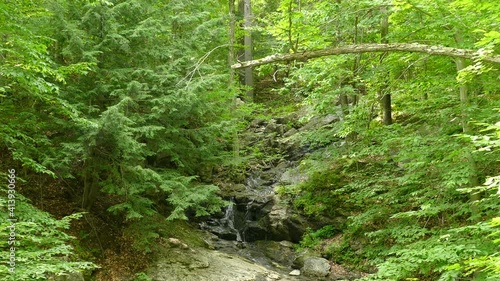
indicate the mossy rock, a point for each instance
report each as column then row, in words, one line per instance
column 183, row 231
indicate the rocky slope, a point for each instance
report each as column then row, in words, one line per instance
column 253, row 239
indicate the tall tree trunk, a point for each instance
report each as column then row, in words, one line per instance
column 247, row 43
column 290, row 25
column 464, row 88
column 385, row 96
column 231, row 60
column 90, row 189
column 232, row 41
column 464, row 97
column 343, row 99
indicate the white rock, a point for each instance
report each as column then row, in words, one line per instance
column 294, row 272
column 273, row 276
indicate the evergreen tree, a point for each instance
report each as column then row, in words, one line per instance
column 153, row 101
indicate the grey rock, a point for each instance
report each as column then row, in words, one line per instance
column 257, row 123
column 316, row 267
column 207, row 265
column 279, row 252
column 293, row 176
column 290, row 132
column 300, row 257
column 271, row 127
column 317, row 122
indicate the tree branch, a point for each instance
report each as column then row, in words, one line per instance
column 371, row 48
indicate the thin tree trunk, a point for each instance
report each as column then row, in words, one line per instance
column 232, row 41
column 248, row 55
column 231, row 60
column 90, row 189
column 344, row 103
column 290, row 25
column 385, row 96
column 464, row 97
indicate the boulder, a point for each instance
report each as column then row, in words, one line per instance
column 316, row 267
column 318, row 122
column 173, row 264
column 255, row 230
column 290, row 132
column 293, row 176
column 284, row 223
column 256, row 123
column 300, row 257
column 280, row 252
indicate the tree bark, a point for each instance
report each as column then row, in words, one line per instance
column 369, row 48
column 385, row 96
column 232, row 41
column 248, row 55
column 90, row 189
column 232, row 75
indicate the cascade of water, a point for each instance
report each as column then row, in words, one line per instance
column 229, row 219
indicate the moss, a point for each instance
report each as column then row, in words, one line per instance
column 321, row 192
column 183, row 231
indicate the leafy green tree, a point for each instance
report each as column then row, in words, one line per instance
column 39, row 247
column 401, row 184
column 31, row 111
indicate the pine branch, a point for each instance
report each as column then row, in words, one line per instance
column 373, row 48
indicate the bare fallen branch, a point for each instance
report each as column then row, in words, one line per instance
column 372, row 48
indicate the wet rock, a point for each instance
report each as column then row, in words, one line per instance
column 234, row 190
column 216, row 227
column 255, row 230
column 279, row 252
column 316, row 267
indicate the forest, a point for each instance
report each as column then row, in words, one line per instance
column 250, row 140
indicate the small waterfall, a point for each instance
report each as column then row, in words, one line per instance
column 229, row 220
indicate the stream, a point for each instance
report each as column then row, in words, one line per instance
column 254, row 238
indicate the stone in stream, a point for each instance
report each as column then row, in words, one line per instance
column 316, row 267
